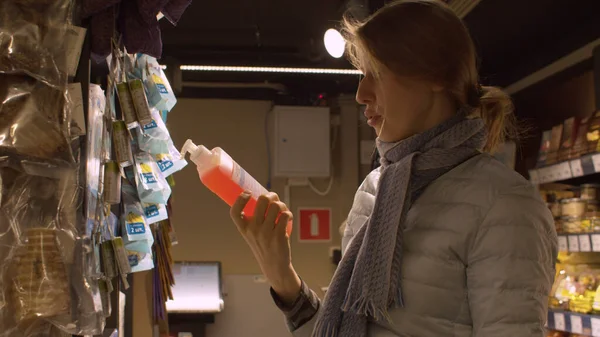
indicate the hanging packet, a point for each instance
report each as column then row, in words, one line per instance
column 170, row 162
column 151, row 184
column 160, row 93
column 154, row 137
column 138, row 260
column 139, row 254
column 134, row 223
column 155, row 213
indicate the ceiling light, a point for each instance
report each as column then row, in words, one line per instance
column 334, row 43
column 286, row 70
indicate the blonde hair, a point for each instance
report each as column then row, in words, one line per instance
column 425, row 39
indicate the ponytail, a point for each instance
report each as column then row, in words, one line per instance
column 497, row 111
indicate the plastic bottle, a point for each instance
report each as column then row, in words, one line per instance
column 224, row 177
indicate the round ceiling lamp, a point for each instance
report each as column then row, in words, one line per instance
column 334, row 43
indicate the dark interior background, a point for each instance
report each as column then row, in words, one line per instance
column 514, row 38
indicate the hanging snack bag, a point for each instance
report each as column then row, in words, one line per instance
column 151, row 184
column 170, row 162
column 134, row 223
column 160, row 93
column 155, row 213
column 155, row 136
column 140, row 256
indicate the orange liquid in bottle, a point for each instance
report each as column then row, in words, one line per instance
column 221, row 184
column 225, row 178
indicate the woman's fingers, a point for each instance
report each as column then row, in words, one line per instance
column 236, row 212
column 275, row 209
column 262, row 204
column 283, row 221
column 267, row 214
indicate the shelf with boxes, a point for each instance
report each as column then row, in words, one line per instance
column 569, row 150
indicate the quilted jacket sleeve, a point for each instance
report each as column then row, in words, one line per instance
column 511, row 266
column 301, row 315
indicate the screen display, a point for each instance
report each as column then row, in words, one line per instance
column 197, row 288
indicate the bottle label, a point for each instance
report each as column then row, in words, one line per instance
column 246, row 182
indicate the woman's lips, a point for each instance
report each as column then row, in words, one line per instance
column 373, row 120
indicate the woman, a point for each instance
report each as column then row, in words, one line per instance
column 442, row 240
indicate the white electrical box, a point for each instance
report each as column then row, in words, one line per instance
column 302, row 142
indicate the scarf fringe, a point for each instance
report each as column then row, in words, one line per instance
column 366, row 307
column 323, row 329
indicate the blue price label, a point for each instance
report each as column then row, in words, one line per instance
column 136, row 228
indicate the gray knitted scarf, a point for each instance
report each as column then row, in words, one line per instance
column 367, row 281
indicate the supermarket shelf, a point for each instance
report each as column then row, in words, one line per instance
column 588, row 325
column 585, row 242
column 584, row 166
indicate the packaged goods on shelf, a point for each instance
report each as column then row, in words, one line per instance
column 574, row 138
column 555, row 137
column 593, row 133
column 575, row 289
column 569, row 134
column 580, row 146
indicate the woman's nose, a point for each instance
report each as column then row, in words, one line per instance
column 364, row 94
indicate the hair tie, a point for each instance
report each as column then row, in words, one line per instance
column 474, row 96
column 479, row 90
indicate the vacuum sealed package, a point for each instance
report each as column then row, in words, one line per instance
column 38, row 255
column 32, row 39
column 34, row 120
column 155, row 136
column 152, row 187
column 155, row 212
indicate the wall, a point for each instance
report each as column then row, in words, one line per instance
column 201, row 220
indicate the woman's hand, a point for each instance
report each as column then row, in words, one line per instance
column 266, row 235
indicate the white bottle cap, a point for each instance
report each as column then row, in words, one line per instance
column 196, row 152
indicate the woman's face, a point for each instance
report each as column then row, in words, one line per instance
column 396, row 107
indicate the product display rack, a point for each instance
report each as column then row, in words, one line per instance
column 588, row 325
column 575, row 248
column 86, row 74
column 577, row 168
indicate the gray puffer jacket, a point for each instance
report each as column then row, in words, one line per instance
column 479, row 254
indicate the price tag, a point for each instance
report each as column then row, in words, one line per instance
column 596, row 161
column 573, row 243
column 595, row 327
column 585, row 245
column 563, row 171
column 576, row 168
column 595, row 242
column 576, row 324
column 534, row 177
column 543, row 175
column 563, row 245
column 553, row 173
column 559, row 321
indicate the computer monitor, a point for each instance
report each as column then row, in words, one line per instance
column 197, row 288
